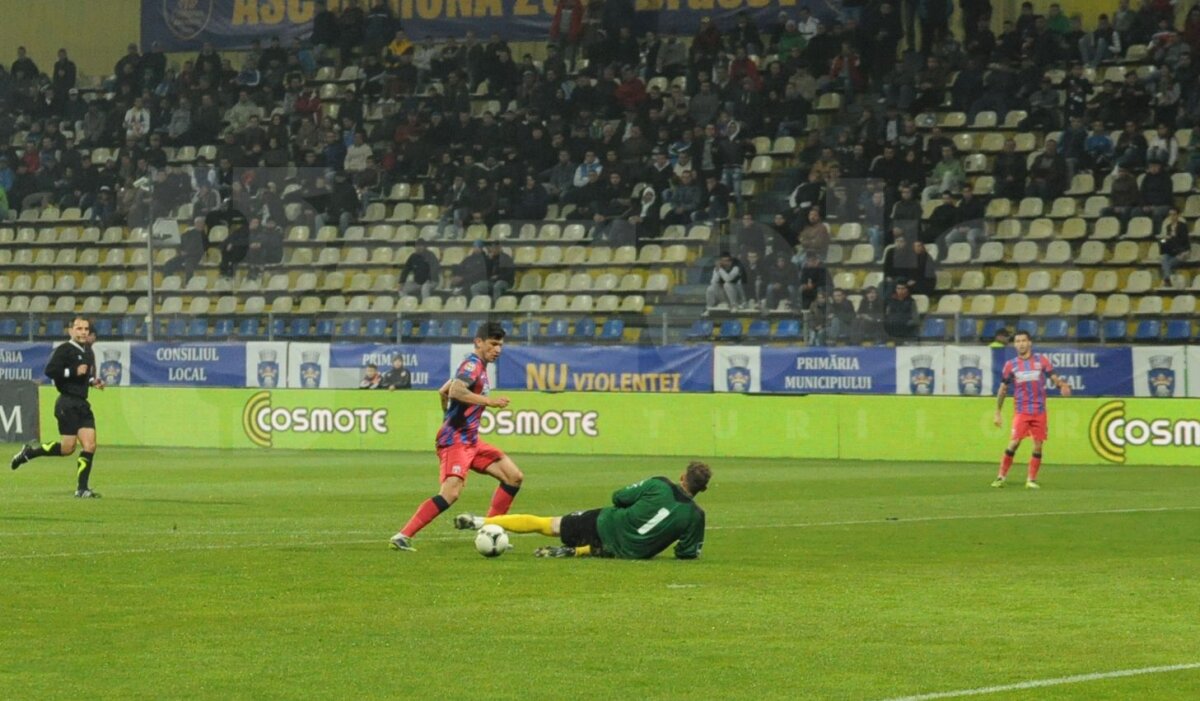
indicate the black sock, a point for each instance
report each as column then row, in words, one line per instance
column 85, row 469
column 41, row 449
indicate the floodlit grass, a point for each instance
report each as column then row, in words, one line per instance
column 266, row 575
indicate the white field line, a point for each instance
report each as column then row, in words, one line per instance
column 1058, row 681
column 293, row 536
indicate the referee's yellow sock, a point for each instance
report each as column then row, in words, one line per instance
column 522, row 523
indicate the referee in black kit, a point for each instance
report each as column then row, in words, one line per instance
column 72, row 366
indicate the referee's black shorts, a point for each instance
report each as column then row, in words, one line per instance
column 73, row 414
column 579, row 528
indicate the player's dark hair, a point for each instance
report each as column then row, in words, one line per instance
column 490, row 330
column 372, row 366
column 1026, row 334
column 696, row 477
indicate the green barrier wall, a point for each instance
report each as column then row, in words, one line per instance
column 1082, row 431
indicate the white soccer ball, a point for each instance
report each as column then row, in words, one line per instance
column 491, row 541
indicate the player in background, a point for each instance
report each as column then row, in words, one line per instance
column 644, row 519
column 1026, row 375
column 72, row 367
column 464, row 399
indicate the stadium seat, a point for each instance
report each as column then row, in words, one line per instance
column 1029, row 326
column 788, row 329
column 300, row 327
column 377, row 328
column 430, row 328
column 1087, row 330
column 585, row 329
column 730, row 330
column 55, row 328
column 702, row 329
column 277, row 327
column 1148, row 330
column 1178, row 331
column 529, row 329
column 197, row 328
column 324, row 328
column 1115, row 330
column 452, row 329
column 990, row 327
column 8, row 327
column 248, row 327
column 759, row 330
column 613, row 330
column 934, row 329
column 1056, row 330
column 557, row 329
column 967, row 329
column 221, row 327
column 103, row 327
column 131, row 326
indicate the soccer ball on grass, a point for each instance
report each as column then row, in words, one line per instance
column 491, row 541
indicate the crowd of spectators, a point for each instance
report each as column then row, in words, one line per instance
column 586, row 129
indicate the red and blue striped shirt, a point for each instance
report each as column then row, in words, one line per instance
column 1026, row 379
column 461, row 422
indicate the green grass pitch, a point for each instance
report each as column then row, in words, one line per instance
column 266, row 575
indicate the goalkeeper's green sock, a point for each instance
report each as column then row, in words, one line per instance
column 522, row 523
column 38, row 451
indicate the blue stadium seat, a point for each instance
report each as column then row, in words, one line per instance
column 472, row 327
column 131, row 326
column 614, row 330
column 324, row 328
column 760, row 330
column 248, row 326
column 585, row 329
column 701, row 330
column 55, row 328
column 1115, row 330
column 350, row 327
column 1087, row 330
column 452, row 329
column 731, row 330
column 968, row 329
column 557, row 329
column 223, row 327
column 507, row 325
column 8, row 327
column 104, row 328
column 1179, row 330
column 1029, row 326
column 529, row 329
column 990, row 327
column 787, row 329
column 300, row 327
column 430, row 328
column 1148, row 330
column 1056, row 330
column 197, row 328
column 934, row 329
column 279, row 327
column 377, row 328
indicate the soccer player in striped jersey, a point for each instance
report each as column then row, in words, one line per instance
column 1026, row 376
column 464, row 398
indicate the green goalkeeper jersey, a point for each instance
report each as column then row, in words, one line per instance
column 647, row 517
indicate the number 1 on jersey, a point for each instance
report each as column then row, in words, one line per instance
column 654, row 521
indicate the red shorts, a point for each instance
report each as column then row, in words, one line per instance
column 1031, row 425
column 458, row 459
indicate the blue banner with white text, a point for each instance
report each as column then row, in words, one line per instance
column 828, row 370
column 428, row 365
column 188, row 364
column 607, row 369
column 24, row 361
column 186, row 25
